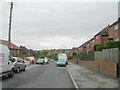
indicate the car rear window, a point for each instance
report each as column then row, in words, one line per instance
column 12, row 60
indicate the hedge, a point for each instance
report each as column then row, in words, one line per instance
column 109, row 44
column 95, row 46
column 113, row 44
column 99, row 48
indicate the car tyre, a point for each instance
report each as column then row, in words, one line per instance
column 18, row 70
column 24, row 69
column 11, row 74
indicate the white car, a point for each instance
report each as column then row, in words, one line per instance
column 5, row 63
column 46, row 60
column 18, row 64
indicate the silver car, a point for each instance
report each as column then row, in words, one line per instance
column 18, row 64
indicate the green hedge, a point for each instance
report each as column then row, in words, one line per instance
column 95, row 46
column 99, row 48
column 113, row 44
column 109, row 44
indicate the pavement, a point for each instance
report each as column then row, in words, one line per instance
column 83, row 77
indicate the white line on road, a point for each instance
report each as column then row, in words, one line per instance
column 76, row 86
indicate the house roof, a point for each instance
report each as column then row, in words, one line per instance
column 116, row 22
column 103, row 32
column 12, row 46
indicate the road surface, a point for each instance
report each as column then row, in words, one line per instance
column 40, row 76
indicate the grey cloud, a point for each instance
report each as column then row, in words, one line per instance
column 77, row 21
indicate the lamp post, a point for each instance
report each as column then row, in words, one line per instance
column 10, row 20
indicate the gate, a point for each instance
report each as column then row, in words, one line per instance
column 118, row 70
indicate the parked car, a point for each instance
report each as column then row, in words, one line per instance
column 5, row 63
column 46, row 60
column 51, row 60
column 40, row 61
column 18, row 64
column 61, row 62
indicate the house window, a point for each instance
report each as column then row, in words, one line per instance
column 116, row 27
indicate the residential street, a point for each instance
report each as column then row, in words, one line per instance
column 57, row 44
column 40, row 76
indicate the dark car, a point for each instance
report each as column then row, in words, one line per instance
column 40, row 61
column 18, row 64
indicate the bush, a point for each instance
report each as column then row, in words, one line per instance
column 113, row 44
column 105, row 46
column 109, row 44
column 70, row 57
column 95, row 46
column 99, row 48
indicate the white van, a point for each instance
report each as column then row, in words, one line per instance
column 5, row 63
column 63, row 56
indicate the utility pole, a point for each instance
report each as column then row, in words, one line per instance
column 10, row 20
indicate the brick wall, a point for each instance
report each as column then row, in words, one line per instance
column 90, row 64
column 113, row 33
column 104, row 39
column 106, row 67
column 98, row 39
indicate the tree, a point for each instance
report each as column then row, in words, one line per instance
column 74, row 55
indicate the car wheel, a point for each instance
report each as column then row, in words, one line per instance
column 24, row 69
column 11, row 74
column 18, row 70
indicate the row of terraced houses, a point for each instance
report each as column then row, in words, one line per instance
column 108, row 67
column 111, row 32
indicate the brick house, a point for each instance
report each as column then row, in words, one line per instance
column 75, row 49
column 15, row 50
column 102, row 36
column 91, row 48
column 90, row 45
column 99, row 38
column 24, row 52
column 68, row 51
column 82, row 48
column 114, row 31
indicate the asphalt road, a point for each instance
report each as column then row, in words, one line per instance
column 40, row 76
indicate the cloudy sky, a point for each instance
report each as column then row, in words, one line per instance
column 54, row 25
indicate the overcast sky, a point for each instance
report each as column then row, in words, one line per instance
column 54, row 25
